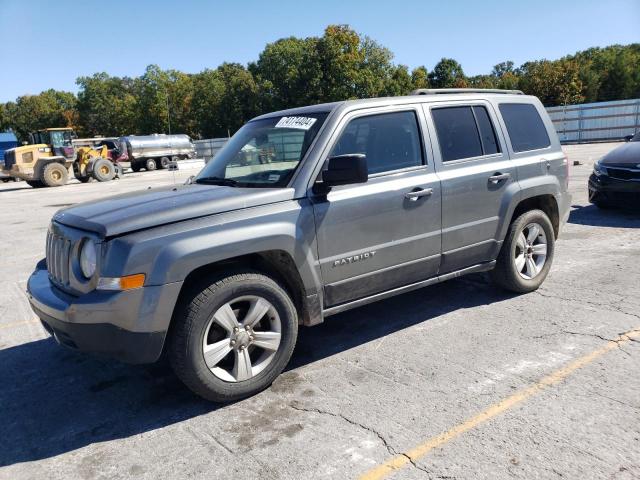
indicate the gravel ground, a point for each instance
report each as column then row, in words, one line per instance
column 409, row 374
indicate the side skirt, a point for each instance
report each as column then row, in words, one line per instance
column 481, row 267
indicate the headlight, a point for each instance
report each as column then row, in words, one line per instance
column 599, row 169
column 88, row 258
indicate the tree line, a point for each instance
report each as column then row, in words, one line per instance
column 290, row 72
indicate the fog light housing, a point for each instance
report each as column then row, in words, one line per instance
column 128, row 282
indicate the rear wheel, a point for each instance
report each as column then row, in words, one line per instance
column 164, row 162
column 103, row 170
column 150, row 165
column 233, row 336
column 54, row 175
column 527, row 253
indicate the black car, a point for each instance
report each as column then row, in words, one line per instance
column 615, row 180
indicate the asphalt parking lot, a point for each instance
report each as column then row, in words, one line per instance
column 458, row 380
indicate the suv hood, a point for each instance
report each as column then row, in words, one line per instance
column 629, row 153
column 160, row 206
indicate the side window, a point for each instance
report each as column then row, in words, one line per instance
column 390, row 141
column 525, row 127
column 457, row 133
column 487, row 133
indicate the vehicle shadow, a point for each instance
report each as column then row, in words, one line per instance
column 56, row 401
column 25, row 187
column 596, row 217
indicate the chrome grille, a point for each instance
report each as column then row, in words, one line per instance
column 58, row 252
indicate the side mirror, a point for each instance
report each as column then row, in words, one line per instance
column 345, row 170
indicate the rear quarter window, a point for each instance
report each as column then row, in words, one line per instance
column 526, row 128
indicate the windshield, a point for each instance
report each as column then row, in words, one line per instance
column 61, row 138
column 263, row 153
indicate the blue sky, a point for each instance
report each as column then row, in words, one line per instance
column 47, row 44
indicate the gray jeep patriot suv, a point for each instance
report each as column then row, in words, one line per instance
column 303, row 214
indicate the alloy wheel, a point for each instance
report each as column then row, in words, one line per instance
column 531, row 251
column 242, row 338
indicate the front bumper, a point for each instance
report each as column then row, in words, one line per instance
column 611, row 190
column 130, row 325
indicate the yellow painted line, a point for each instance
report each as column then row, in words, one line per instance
column 395, row 463
column 16, row 324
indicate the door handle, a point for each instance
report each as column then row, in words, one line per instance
column 416, row 194
column 498, row 177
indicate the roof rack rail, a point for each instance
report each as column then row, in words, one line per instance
column 444, row 91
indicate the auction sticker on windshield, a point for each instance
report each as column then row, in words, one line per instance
column 301, row 123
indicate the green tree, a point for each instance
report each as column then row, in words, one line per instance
column 224, row 99
column 353, row 67
column 420, row 78
column 48, row 109
column 208, row 89
column 554, row 83
column 180, row 89
column 502, row 69
column 447, row 74
column 239, row 101
column 107, row 105
column 399, row 82
column 152, row 93
column 289, row 73
column 483, row 81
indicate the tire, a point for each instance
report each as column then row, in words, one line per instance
column 150, row 165
column 54, row 175
column 103, row 170
column 196, row 324
column 175, row 159
column 135, row 167
column 599, row 200
column 35, row 183
column 5, row 180
column 518, row 267
column 164, row 162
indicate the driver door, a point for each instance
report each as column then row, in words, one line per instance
column 385, row 233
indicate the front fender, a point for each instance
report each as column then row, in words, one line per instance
column 169, row 253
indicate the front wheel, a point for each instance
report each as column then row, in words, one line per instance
column 527, row 253
column 233, row 336
column 103, row 170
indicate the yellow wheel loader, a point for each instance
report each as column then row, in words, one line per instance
column 46, row 161
column 91, row 162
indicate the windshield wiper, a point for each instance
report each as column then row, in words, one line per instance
column 227, row 182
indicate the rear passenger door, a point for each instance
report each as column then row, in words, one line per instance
column 384, row 233
column 476, row 177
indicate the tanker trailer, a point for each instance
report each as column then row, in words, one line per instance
column 156, row 151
